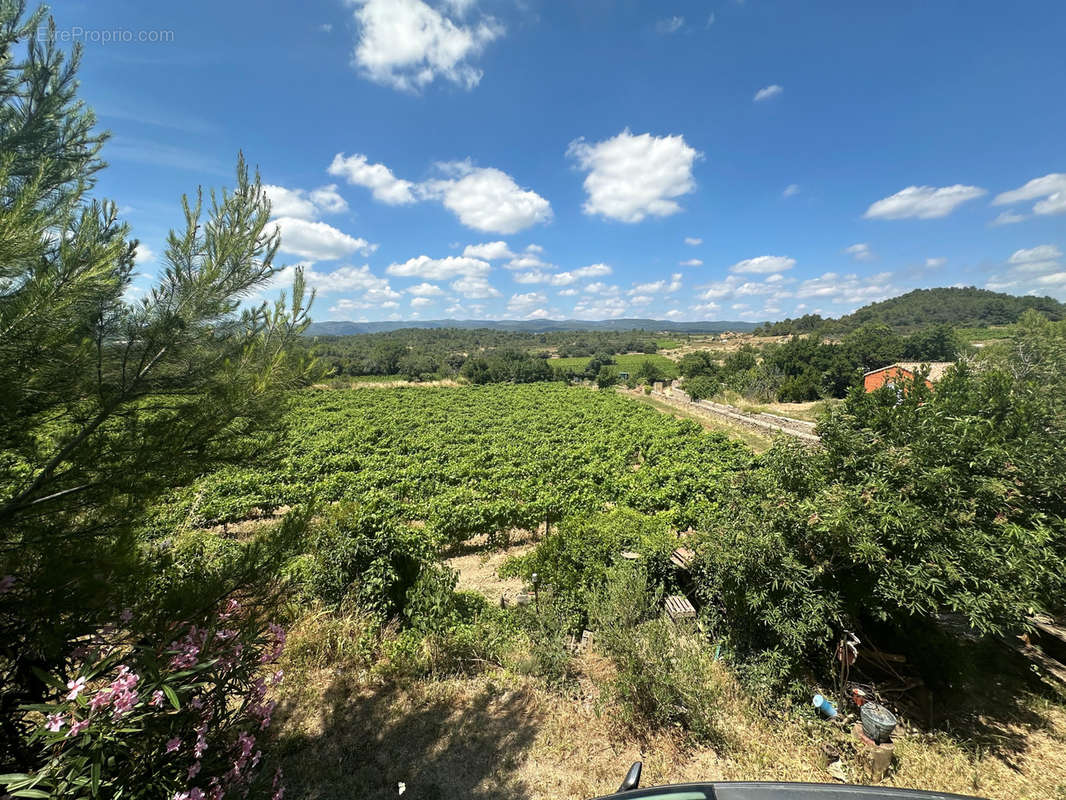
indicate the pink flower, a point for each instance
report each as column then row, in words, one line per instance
column 194, row 770
column 196, row 702
column 125, row 700
column 226, row 633
column 277, row 677
column 173, row 745
column 201, row 741
column 278, row 646
column 54, row 722
column 101, row 699
column 6, row 583
column 231, row 608
column 76, row 687
column 196, row 794
column 157, row 698
column 77, row 727
column 278, row 785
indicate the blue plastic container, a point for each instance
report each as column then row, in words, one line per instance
column 823, row 705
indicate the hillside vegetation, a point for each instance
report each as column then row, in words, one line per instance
column 921, row 308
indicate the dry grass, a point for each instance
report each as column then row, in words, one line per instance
column 478, row 570
column 345, row 734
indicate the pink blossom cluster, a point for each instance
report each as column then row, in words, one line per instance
column 277, row 647
column 187, row 650
column 119, row 694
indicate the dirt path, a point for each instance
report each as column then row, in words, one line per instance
column 478, row 571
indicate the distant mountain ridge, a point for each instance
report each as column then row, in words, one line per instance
column 340, row 328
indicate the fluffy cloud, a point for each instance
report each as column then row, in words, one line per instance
column 767, row 93
column 420, row 302
column 425, row 290
column 935, row 263
column 733, row 286
column 318, row 241
column 790, row 190
column 487, row 199
column 601, row 288
column 693, row 240
column 670, row 24
column 850, row 289
column 923, row 202
column 385, row 187
column 407, row 44
column 1051, row 187
column 1007, row 218
column 474, row 287
column 675, row 313
column 655, row 287
column 632, row 177
column 692, row 262
column 528, row 260
column 490, row 251
column 301, row 204
column 763, row 265
column 860, row 252
column 1036, row 270
column 439, row 269
column 598, row 308
column 372, row 289
column 563, row 278
column 524, row 304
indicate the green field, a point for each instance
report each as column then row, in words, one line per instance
column 625, row 363
column 474, row 460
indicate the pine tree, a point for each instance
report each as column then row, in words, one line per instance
column 106, row 402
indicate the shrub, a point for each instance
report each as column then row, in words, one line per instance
column 173, row 717
column 665, row 677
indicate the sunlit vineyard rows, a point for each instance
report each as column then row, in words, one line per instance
column 475, row 460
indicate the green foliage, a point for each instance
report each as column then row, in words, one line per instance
column 702, row 387
column 918, row 504
column 665, row 677
column 575, row 560
column 106, row 403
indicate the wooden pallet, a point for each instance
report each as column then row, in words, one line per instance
column 679, row 607
column 682, row 557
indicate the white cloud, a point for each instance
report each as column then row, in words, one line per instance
column 923, row 202
column 598, row 308
column 528, row 261
column 420, row 302
column 1050, row 186
column 328, row 200
column 850, row 289
column 670, row 24
column 601, row 288
column 767, row 93
column 300, row 204
column 474, row 287
column 693, row 240
column 641, row 300
column 439, row 269
column 568, row 292
column 375, row 289
column 633, row 176
column 654, row 287
column 385, row 186
column 1034, row 270
column 523, row 304
column 317, row 241
column 1052, row 204
column 563, row 278
column 489, row 251
column 1007, row 218
column 762, row 265
column 425, row 290
column 934, row 263
column 790, row 190
column 675, row 313
column 145, row 254
column 407, row 44
column 692, row 262
column 860, row 252
column 487, row 199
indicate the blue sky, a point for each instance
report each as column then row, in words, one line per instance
column 593, row 159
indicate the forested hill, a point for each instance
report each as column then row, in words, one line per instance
column 965, row 307
column 528, row 326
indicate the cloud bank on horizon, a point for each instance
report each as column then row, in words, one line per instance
column 435, row 158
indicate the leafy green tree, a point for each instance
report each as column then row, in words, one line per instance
column 106, row 401
column 702, row 387
column 649, row 371
column 873, row 346
column 606, row 378
column 935, row 343
column 700, row 362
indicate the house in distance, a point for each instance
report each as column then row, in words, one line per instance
column 895, row 373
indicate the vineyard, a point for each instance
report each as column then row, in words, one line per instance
column 474, row 460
